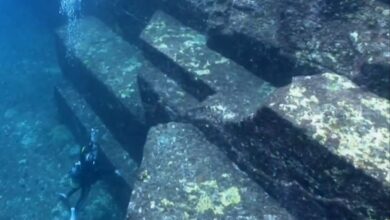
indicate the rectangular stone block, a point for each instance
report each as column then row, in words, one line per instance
column 199, row 181
column 104, row 69
column 233, row 88
column 281, row 39
column 334, row 140
column 185, row 48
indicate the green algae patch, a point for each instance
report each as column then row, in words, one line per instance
column 230, row 197
column 167, row 203
column 337, row 82
column 205, row 203
column 208, row 196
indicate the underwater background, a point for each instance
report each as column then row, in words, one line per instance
column 231, row 109
column 37, row 150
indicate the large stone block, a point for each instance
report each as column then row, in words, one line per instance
column 278, row 39
column 225, row 88
column 333, row 139
column 183, row 176
column 235, row 99
column 104, row 69
column 187, row 48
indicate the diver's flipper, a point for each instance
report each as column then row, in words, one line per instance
column 73, row 215
column 64, row 199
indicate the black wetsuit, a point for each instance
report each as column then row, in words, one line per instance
column 88, row 170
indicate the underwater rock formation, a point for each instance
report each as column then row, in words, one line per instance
column 183, row 176
column 270, row 85
column 308, row 37
column 203, row 73
column 333, row 137
column 104, row 68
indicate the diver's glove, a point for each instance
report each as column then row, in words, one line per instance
column 73, row 215
column 94, row 134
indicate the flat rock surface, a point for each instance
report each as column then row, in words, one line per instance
column 188, row 49
column 350, row 123
column 338, row 36
column 111, row 60
column 104, row 68
column 199, row 181
column 235, row 87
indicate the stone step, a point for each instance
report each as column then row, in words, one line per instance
column 104, row 69
column 199, row 181
column 80, row 118
column 164, row 100
column 217, row 115
column 300, row 182
column 262, row 35
column 312, row 178
column 227, row 92
column 182, row 52
column 332, row 139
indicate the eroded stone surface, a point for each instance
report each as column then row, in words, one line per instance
column 110, row 59
column 234, row 86
column 306, row 36
column 188, row 49
column 333, row 139
column 198, row 181
column 104, row 69
column 350, row 123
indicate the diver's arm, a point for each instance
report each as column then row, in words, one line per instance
column 93, row 136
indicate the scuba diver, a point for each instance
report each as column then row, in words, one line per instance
column 90, row 168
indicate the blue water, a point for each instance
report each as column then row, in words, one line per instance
column 28, row 71
column 36, row 151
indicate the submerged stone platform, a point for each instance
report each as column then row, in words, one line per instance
column 306, row 37
column 226, row 91
column 317, row 148
column 183, row 176
column 333, row 138
column 203, row 72
column 104, row 69
column 232, row 121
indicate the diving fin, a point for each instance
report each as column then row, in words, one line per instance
column 73, row 215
